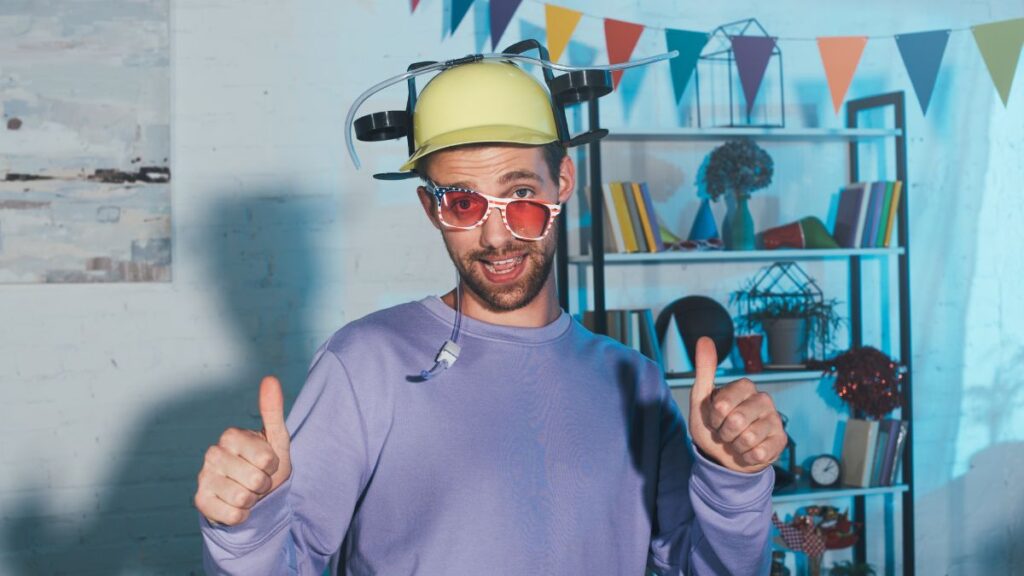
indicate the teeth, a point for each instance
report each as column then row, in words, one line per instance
column 503, row 266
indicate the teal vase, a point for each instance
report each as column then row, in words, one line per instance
column 738, row 227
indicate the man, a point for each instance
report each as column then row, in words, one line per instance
column 543, row 450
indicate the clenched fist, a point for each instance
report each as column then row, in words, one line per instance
column 246, row 465
column 735, row 425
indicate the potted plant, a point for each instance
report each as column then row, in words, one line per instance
column 736, row 168
column 787, row 305
column 848, row 568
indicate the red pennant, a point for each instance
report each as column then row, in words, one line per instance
column 415, row 3
column 621, row 38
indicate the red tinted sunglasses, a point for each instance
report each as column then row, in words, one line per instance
column 465, row 209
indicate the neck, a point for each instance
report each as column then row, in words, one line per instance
column 539, row 312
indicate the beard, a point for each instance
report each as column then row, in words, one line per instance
column 539, row 257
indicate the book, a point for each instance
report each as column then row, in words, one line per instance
column 862, row 214
column 894, row 208
column 652, row 217
column 858, row 452
column 635, row 330
column 645, row 221
column 883, row 217
column 891, row 429
column 634, row 217
column 873, row 215
column 622, row 213
column 879, row 461
column 848, row 215
column 901, row 442
column 612, row 227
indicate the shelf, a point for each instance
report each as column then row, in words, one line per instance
column 736, row 255
column 685, row 379
column 805, row 493
column 804, row 134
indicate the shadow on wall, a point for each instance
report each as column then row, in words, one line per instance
column 975, row 523
column 261, row 263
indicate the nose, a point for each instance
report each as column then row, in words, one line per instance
column 494, row 234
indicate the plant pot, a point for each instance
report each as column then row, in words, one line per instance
column 738, row 226
column 787, row 340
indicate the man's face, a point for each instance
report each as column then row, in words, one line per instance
column 505, row 273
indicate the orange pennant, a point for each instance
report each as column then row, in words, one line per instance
column 621, row 38
column 840, row 55
column 561, row 23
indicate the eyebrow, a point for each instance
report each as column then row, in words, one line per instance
column 506, row 178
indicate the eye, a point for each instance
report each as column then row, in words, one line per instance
column 521, row 193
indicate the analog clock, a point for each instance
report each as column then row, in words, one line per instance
column 825, row 471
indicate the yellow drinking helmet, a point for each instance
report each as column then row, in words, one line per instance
column 487, row 101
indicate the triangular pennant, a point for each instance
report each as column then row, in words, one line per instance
column 689, row 44
column 560, row 23
column 922, row 55
column 840, row 55
column 999, row 43
column 459, row 10
column 415, row 3
column 752, row 55
column 621, row 38
column 501, row 14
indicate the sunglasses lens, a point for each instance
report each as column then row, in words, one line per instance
column 462, row 209
column 528, row 219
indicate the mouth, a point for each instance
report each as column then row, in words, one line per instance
column 504, row 270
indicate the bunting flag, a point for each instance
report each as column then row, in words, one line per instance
column 459, row 9
column 752, row 55
column 689, row 44
column 922, row 56
column 501, row 14
column 561, row 22
column 415, row 3
column 1000, row 43
column 621, row 38
column 840, row 55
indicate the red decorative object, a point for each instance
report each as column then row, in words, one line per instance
column 785, row 236
column 818, row 529
column 750, row 350
column 867, row 379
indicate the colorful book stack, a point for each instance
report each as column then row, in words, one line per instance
column 866, row 214
column 633, row 328
column 630, row 219
column 872, row 450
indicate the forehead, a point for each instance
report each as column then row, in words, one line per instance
column 485, row 163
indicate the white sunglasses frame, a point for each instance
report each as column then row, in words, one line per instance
column 492, row 202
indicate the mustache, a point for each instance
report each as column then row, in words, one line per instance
column 504, row 253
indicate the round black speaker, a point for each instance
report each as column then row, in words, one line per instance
column 698, row 316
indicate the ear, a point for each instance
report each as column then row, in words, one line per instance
column 566, row 179
column 427, row 201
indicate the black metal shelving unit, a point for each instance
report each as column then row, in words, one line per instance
column 597, row 260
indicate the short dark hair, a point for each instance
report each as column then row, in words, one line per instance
column 553, row 153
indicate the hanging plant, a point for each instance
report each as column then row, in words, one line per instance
column 740, row 165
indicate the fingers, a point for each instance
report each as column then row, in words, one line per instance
column 272, row 412
column 252, row 447
column 765, row 453
column 731, row 396
column 222, row 500
column 223, row 463
column 705, row 365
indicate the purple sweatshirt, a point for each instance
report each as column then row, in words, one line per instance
column 540, row 451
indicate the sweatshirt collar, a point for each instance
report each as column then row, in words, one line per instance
column 514, row 334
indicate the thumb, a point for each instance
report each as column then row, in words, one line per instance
column 705, row 365
column 272, row 412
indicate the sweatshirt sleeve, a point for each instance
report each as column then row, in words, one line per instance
column 296, row 529
column 709, row 520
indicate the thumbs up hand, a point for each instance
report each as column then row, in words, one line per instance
column 734, row 425
column 246, row 465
